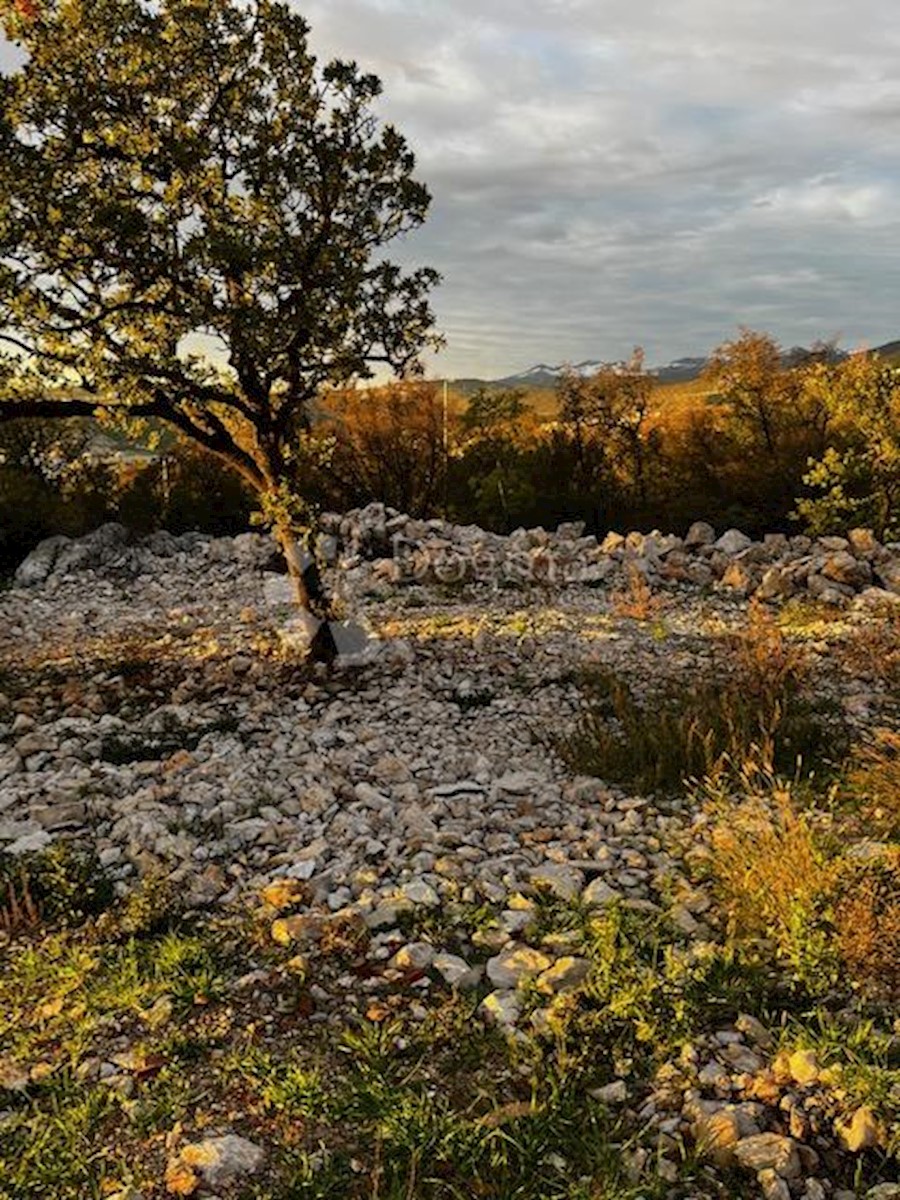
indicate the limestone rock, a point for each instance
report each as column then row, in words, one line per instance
column 769, row 1151
column 732, row 542
column 415, row 956
column 699, row 534
column 861, row 1132
column 803, row 1067
column 509, row 969
column 563, row 881
column 599, row 893
column 566, row 973
column 502, row 1008
column 611, row 1093
column 218, row 1161
column 456, row 972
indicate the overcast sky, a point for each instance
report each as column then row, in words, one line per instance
column 613, row 172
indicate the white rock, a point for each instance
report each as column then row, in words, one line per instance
column 456, row 972
column 417, row 891
column 222, row 1160
column 502, row 1008
column 31, row 843
column 700, row 534
column 563, row 881
column 769, row 1151
column 733, row 542
column 415, row 956
column 509, row 969
column 598, row 893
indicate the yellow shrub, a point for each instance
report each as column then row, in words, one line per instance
column 874, row 782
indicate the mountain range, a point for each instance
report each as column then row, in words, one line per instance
column 679, row 370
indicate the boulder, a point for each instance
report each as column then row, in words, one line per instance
column 769, row 1152
column 514, row 966
column 863, row 542
column 844, row 568
column 219, row 1161
column 700, row 534
column 733, row 542
column 776, row 584
column 40, row 562
column 888, row 575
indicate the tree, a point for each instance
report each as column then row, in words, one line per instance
column 765, row 389
column 193, row 216
column 389, row 445
column 610, row 409
column 856, row 480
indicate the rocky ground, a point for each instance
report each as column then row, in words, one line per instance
column 151, row 709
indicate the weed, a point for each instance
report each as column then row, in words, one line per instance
column 60, row 1146
column 636, row 601
column 774, row 880
column 18, row 910
column 808, row 617
column 59, row 885
column 867, row 920
column 873, row 650
column 873, row 783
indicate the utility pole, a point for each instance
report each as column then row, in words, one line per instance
column 446, row 441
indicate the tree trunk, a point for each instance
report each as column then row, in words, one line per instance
column 293, row 556
column 309, row 594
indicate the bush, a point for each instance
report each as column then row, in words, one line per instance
column 773, row 877
column 49, row 488
column 867, row 920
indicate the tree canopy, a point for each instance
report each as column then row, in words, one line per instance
column 193, row 216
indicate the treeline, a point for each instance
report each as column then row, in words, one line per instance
column 761, row 444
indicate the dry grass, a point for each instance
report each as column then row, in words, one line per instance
column 873, row 650
column 766, row 662
column 751, row 707
column 770, row 873
column 873, row 783
column 636, row 601
column 867, row 920
column 18, row 910
column 782, row 882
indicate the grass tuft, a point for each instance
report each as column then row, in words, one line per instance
column 752, row 707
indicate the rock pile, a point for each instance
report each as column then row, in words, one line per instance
column 421, row 785
column 112, row 551
column 376, row 545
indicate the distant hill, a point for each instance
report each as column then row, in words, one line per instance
column 890, row 351
column 680, row 370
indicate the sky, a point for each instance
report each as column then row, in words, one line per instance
column 608, row 173
column 611, row 173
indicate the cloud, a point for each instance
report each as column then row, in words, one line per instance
column 651, row 171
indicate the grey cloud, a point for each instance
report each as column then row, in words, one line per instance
column 653, row 171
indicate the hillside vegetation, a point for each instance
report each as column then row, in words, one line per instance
column 751, row 443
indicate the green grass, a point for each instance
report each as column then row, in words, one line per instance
column 690, row 732
column 402, row 1092
column 424, row 1105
